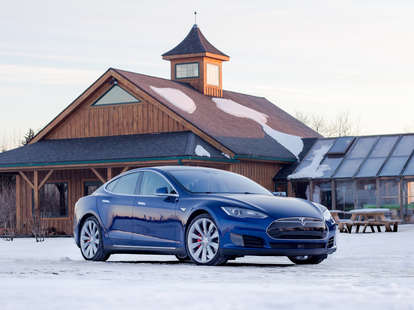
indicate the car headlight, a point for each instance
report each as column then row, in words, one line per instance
column 325, row 212
column 243, row 213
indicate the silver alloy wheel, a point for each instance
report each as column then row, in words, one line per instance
column 203, row 240
column 89, row 239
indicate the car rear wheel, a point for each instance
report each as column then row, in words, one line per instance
column 203, row 241
column 91, row 244
column 307, row 259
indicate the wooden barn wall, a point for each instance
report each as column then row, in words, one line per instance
column 74, row 178
column 261, row 172
column 113, row 120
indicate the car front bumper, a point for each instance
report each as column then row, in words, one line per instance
column 250, row 238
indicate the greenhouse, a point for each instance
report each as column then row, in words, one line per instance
column 355, row 172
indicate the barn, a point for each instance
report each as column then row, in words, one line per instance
column 126, row 120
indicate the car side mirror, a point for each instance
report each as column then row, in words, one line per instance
column 163, row 191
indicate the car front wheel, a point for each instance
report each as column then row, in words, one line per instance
column 307, row 259
column 203, row 241
column 91, row 244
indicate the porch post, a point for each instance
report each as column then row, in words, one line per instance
column 18, row 204
column 36, row 192
column 333, row 195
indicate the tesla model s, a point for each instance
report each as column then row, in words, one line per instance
column 203, row 215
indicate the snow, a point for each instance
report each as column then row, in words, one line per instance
column 293, row 143
column 200, row 151
column 314, row 169
column 177, row 98
column 369, row 271
column 226, row 155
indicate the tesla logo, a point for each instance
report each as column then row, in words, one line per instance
column 302, row 221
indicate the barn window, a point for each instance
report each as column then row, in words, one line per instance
column 115, row 95
column 53, row 200
column 186, row 70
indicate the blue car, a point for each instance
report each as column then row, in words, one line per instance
column 203, row 215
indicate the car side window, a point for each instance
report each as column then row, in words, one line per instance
column 126, row 184
column 152, row 183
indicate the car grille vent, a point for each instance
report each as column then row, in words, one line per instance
column 331, row 242
column 290, row 245
column 297, row 228
column 252, row 242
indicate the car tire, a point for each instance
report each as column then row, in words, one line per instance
column 183, row 258
column 203, row 241
column 91, row 242
column 307, row 260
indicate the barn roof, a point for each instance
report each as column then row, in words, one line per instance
column 194, row 43
column 250, row 126
column 127, row 148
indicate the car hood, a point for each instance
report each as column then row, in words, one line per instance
column 278, row 207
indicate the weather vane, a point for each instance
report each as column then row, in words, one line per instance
column 195, row 17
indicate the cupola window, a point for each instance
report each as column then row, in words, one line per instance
column 213, row 74
column 186, row 70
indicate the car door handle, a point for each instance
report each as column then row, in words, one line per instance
column 105, row 201
column 141, row 203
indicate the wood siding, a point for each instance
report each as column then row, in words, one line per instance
column 261, row 172
column 113, row 120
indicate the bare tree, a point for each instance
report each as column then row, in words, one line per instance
column 28, row 136
column 341, row 125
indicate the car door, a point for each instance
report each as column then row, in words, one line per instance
column 117, row 206
column 155, row 220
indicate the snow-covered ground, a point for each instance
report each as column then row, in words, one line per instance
column 369, row 271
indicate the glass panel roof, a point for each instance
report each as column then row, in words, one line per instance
column 410, row 167
column 348, row 168
column 116, row 95
column 384, row 146
column 362, row 147
column 394, row 166
column 405, row 146
column 329, row 165
column 371, row 167
column 341, row 145
column 310, row 165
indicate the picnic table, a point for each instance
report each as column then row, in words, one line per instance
column 365, row 218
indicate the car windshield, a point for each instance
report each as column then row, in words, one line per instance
column 216, row 181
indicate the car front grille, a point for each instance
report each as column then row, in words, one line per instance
column 297, row 228
column 252, row 242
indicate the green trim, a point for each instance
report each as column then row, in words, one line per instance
column 264, row 158
column 178, row 158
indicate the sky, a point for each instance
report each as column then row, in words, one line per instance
column 320, row 57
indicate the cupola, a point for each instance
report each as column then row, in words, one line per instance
column 197, row 62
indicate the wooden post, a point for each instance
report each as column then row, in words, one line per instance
column 18, row 205
column 125, row 169
column 36, row 192
column 401, row 198
column 102, row 179
column 109, row 173
column 290, row 189
column 378, row 192
column 311, row 187
column 333, row 195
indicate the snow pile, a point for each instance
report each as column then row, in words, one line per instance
column 177, row 98
column 200, row 151
column 293, row 143
column 314, row 169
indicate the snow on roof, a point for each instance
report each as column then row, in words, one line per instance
column 200, row 151
column 293, row 143
column 177, row 98
column 311, row 167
